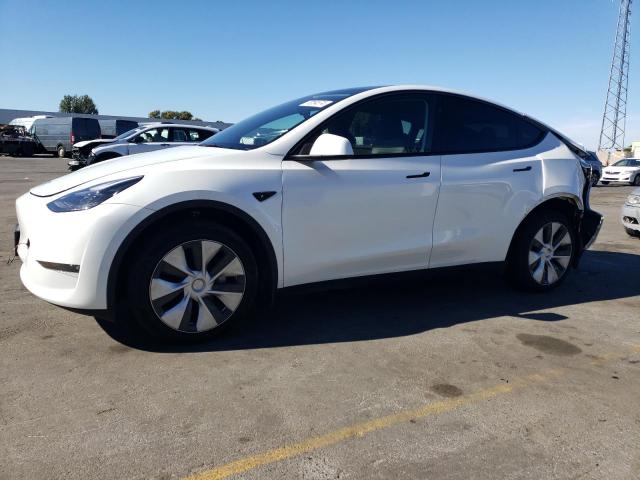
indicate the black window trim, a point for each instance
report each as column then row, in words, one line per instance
column 435, row 101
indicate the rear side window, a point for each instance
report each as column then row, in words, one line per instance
column 199, row 135
column 468, row 126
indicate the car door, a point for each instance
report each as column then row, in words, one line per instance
column 491, row 177
column 150, row 140
column 370, row 212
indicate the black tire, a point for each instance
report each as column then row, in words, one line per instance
column 632, row 233
column 518, row 266
column 103, row 157
column 61, row 152
column 636, row 181
column 28, row 150
column 147, row 261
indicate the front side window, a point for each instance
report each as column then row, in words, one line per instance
column 271, row 124
column 393, row 124
column 466, row 126
column 179, row 135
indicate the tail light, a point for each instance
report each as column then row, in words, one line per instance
column 72, row 138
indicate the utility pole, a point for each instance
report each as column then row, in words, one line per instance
column 615, row 108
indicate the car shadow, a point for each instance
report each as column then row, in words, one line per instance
column 387, row 307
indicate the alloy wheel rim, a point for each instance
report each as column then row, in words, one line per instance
column 550, row 253
column 197, row 286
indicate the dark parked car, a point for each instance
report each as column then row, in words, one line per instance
column 57, row 135
column 111, row 128
column 592, row 159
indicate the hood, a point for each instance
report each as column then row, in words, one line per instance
column 122, row 164
column 96, row 141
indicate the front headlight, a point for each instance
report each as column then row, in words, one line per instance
column 633, row 201
column 90, row 197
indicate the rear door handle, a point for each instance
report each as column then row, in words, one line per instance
column 420, row 175
column 524, row 169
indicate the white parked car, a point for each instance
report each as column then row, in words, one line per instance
column 340, row 184
column 146, row 138
column 625, row 171
column 631, row 213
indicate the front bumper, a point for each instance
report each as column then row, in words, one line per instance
column 78, row 159
column 616, row 178
column 631, row 217
column 66, row 256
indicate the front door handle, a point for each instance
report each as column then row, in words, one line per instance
column 524, row 169
column 420, row 175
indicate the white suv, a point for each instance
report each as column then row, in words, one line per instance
column 340, row 184
column 146, row 138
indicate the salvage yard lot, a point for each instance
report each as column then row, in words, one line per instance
column 452, row 375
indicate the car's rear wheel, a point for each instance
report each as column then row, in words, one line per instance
column 61, row 151
column 191, row 281
column 541, row 255
column 632, row 233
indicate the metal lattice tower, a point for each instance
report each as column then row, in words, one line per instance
column 615, row 108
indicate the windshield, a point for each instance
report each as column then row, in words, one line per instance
column 128, row 133
column 267, row 126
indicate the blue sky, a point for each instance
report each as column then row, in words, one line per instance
column 226, row 60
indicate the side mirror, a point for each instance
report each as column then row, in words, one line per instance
column 329, row 145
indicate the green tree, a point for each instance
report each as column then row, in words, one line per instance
column 171, row 115
column 78, row 104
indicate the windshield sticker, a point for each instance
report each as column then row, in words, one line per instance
column 316, row 103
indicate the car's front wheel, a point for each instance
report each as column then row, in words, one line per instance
column 191, row 281
column 636, row 181
column 632, row 233
column 102, row 158
column 541, row 254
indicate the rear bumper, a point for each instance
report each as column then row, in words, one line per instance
column 590, row 228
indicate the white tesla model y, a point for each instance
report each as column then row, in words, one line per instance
column 341, row 184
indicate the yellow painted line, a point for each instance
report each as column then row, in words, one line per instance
column 361, row 429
